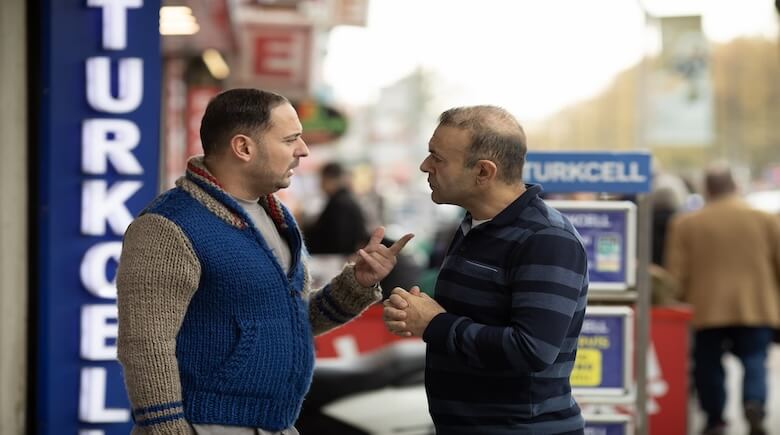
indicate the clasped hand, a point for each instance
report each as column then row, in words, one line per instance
column 408, row 313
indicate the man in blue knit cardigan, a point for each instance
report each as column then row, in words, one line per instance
column 510, row 297
column 216, row 314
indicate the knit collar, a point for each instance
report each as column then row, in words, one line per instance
column 221, row 203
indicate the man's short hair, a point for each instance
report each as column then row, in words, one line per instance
column 332, row 170
column 718, row 181
column 495, row 135
column 236, row 111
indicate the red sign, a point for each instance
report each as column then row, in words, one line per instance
column 364, row 334
column 278, row 57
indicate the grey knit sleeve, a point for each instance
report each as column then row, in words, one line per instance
column 340, row 301
column 157, row 276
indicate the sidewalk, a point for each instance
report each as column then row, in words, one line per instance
column 736, row 421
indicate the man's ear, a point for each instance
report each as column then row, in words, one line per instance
column 241, row 147
column 486, row 171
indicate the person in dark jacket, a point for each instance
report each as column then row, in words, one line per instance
column 341, row 227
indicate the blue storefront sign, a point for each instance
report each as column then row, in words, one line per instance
column 97, row 166
column 562, row 172
column 604, row 356
column 608, row 231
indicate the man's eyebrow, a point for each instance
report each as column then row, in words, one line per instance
column 293, row 136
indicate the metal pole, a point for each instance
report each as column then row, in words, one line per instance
column 644, row 243
column 643, row 309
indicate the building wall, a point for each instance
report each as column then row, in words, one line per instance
column 13, row 216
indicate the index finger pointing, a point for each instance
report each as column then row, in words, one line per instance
column 397, row 246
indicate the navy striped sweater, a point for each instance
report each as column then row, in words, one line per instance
column 515, row 290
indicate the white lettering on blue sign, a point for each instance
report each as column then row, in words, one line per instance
column 131, row 84
column 588, row 220
column 93, row 269
column 115, row 21
column 113, row 140
column 585, row 172
column 93, row 398
column 98, row 323
column 104, row 141
column 101, row 204
column 594, row 326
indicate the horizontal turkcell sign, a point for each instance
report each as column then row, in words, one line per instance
column 560, row 172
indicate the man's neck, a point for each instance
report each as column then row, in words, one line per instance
column 493, row 201
column 230, row 180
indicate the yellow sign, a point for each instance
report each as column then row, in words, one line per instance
column 587, row 369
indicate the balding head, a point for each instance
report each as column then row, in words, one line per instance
column 495, row 135
column 719, row 182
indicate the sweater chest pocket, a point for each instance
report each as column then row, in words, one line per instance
column 482, row 271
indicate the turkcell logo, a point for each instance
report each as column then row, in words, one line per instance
column 560, row 172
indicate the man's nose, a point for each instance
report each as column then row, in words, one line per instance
column 303, row 149
column 423, row 165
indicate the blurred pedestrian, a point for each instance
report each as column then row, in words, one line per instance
column 726, row 259
column 341, row 226
column 216, row 315
column 669, row 193
column 510, row 297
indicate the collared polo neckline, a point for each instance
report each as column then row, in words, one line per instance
column 511, row 211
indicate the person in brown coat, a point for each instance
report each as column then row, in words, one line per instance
column 726, row 258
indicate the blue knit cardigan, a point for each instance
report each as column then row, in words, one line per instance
column 244, row 348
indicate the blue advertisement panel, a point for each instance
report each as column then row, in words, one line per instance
column 604, row 234
column 606, row 428
column 608, row 231
column 561, row 172
column 609, row 237
column 604, row 358
column 98, row 135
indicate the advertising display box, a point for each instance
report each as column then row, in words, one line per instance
column 608, row 230
column 604, row 368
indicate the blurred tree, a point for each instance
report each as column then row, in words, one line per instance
column 746, row 90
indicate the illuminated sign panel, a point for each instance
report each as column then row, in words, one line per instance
column 97, row 168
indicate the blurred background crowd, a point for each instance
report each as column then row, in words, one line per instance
column 694, row 82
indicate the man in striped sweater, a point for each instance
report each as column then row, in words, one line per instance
column 510, row 297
